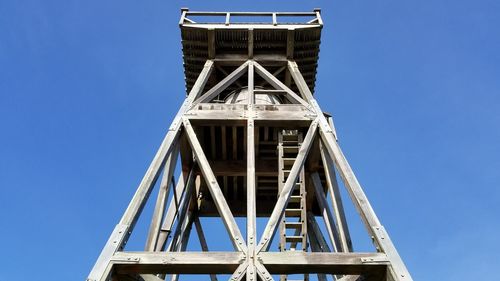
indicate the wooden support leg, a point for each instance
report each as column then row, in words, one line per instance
column 398, row 270
column 119, row 237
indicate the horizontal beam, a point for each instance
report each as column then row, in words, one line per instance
column 228, row 262
column 177, row 262
column 210, row 111
column 332, row 263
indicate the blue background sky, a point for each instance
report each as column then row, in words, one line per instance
column 88, row 89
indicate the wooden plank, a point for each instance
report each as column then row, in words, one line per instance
column 223, row 84
column 285, row 194
column 215, row 191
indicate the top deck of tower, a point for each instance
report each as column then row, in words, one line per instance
column 230, row 38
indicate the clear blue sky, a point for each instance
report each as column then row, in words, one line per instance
column 88, row 89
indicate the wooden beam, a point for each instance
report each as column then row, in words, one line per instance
column 297, row 262
column 290, row 43
column 227, row 262
column 183, row 238
column 316, row 248
column 225, row 73
column 177, row 262
column 327, row 215
column 215, row 191
column 250, row 43
column 223, row 84
column 172, row 210
column 251, row 181
column 240, row 272
column 286, row 192
column 211, row 43
column 337, row 206
column 183, row 217
column 262, row 271
column 275, row 82
column 203, row 241
column 317, row 234
column 161, row 201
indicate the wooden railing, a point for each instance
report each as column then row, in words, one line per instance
column 275, row 18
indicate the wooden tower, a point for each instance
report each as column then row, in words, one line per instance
column 252, row 142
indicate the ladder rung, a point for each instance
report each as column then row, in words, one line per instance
column 290, row 148
column 295, row 198
column 288, row 161
column 293, row 225
column 293, row 239
column 287, row 137
column 293, row 212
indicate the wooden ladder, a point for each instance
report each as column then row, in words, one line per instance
column 293, row 226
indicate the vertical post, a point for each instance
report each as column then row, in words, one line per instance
column 250, row 45
column 251, row 184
